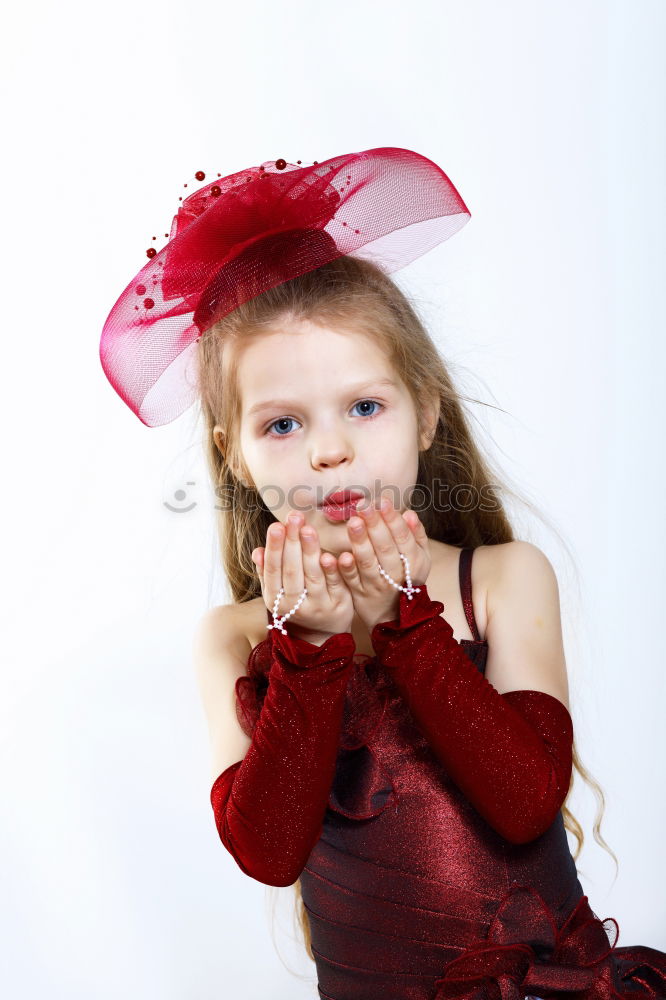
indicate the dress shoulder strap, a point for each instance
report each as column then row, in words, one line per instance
column 465, row 576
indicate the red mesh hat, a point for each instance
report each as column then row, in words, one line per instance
column 245, row 233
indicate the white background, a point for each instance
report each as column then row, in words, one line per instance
column 549, row 119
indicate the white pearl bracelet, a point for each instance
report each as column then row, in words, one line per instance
column 279, row 622
column 409, row 590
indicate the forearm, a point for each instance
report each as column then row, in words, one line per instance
column 510, row 754
column 269, row 807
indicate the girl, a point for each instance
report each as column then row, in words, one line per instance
column 387, row 695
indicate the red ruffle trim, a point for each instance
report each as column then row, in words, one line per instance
column 420, row 608
column 362, row 786
column 524, row 954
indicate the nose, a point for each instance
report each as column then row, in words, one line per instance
column 330, row 452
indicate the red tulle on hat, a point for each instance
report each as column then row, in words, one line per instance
column 242, row 234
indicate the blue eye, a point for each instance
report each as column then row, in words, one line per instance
column 282, row 420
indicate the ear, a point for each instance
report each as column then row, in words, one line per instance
column 430, row 422
column 221, row 444
column 219, row 439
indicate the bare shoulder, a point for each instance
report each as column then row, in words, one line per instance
column 220, row 628
column 524, row 630
column 220, row 652
column 227, row 627
column 517, row 564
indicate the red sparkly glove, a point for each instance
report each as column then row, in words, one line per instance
column 511, row 754
column 269, row 807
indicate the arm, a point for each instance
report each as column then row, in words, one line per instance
column 269, row 807
column 511, row 754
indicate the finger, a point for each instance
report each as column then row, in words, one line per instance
column 404, row 537
column 366, row 558
column 374, row 543
column 313, row 572
column 273, row 560
column 332, row 575
column 417, row 528
column 258, row 556
column 349, row 570
column 292, row 557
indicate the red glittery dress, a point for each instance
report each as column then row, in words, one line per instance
column 412, row 895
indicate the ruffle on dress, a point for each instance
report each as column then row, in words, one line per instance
column 362, row 786
column 524, row 953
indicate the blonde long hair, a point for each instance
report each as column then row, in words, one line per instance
column 355, row 294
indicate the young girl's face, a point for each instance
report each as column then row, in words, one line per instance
column 317, row 417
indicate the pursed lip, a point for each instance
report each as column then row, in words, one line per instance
column 340, row 498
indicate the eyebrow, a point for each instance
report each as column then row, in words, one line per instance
column 277, row 404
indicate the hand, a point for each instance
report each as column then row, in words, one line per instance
column 383, row 536
column 293, row 560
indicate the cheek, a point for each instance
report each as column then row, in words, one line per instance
column 280, row 483
column 257, row 452
column 393, row 440
column 395, row 424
